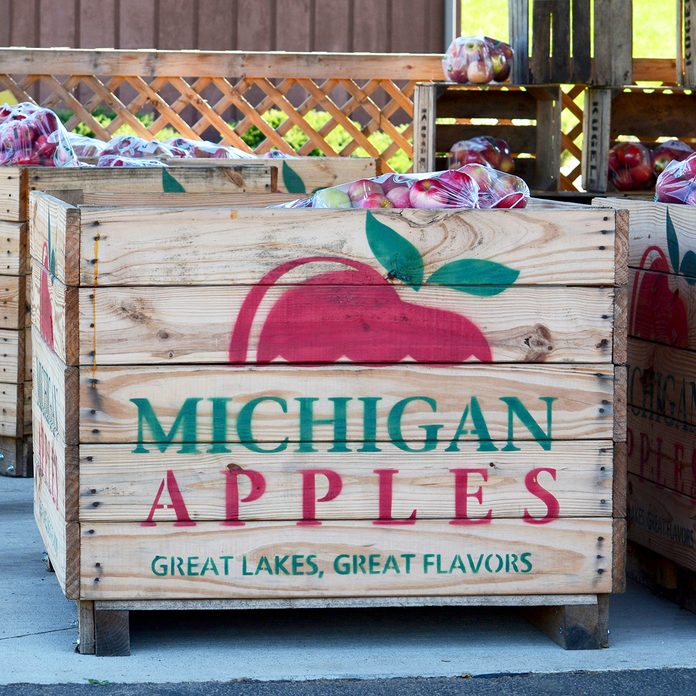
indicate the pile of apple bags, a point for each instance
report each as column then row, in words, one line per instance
column 32, row 135
column 633, row 167
column 470, row 186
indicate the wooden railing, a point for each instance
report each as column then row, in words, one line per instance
column 223, row 95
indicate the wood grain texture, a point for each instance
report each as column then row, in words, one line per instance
column 620, row 403
column 118, row 485
column 662, row 520
column 85, row 627
column 572, row 556
column 663, row 309
column 13, row 247
column 13, row 302
column 662, row 382
column 619, row 555
column 315, row 172
column 55, row 392
column 619, row 474
column 613, row 43
column 582, row 407
column 662, row 451
column 648, row 228
column 595, row 145
column 557, row 247
column 118, row 326
column 12, row 352
column 111, row 633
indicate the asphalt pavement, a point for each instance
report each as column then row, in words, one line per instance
column 405, row 651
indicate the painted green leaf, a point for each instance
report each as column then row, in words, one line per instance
column 672, row 244
column 398, row 256
column 475, row 276
column 292, row 180
column 688, row 267
column 51, row 252
column 170, row 184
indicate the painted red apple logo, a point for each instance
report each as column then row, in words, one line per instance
column 45, row 307
column 355, row 313
column 659, row 313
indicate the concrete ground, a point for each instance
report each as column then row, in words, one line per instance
column 38, row 631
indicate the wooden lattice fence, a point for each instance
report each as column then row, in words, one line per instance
column 222, row 96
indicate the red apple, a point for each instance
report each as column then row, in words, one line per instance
column 363, row 187
column 373, row 200
column 428, row 193
column 399, row 197
column 479, row 72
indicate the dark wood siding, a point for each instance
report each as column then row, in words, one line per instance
column 381, row 26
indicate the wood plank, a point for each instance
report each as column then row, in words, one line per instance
column 664, row 307
column 55, row 394
column 582, row 63
column 97, row 23
column 595, row 145
column 487, row 101
column 85, row 627
column 662, row 520
column 648, row 231
column 518, row 26
column 548, row 138
column 672, row 113
column 662, row 451
column 11, row 410
column 314, row 172
column 136, row 199
column 555, row 247
column 10, row 187
column 619, row 555
column 117, row 559
column 118, row 326
column 581, row 402
column 424, row 104
column 662, row 382
column 560, row 38
column 540, row 69
column 613, row 44
column 12, row 346
column 120, row 486
column 16, row 457
column 14, row 241
column 277, row 64
column 136, row 28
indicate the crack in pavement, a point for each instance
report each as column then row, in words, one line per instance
column 38, row 633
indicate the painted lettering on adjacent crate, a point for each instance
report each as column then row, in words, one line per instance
column 661, row 524
column 46, row 459
column 46, row 396
column 293, row 565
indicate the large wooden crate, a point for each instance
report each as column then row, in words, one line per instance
column 662, row 387
column 647, row 114
column 250, row 408
column 204, row 184
column 561, row 28
column 445, row 113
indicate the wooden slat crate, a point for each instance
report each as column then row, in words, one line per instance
column 302, row 174
column 330, row 408
column 445, row 113
column 662, row 389
column 643, row 113
column 205, row 184
column 561, row 28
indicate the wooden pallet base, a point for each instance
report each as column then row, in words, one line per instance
column 662, row 576
column 16, row 457
column 575, row 622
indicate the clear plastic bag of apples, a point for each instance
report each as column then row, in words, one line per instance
column 677, row 183
column 32, row 135
column 470, row 186
column 477, row 60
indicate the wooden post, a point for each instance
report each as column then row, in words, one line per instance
column 112, row 633
column 582, row 63
column 688, row 40
column 595, row 147
column 85, row 627
column 518, row 18
column 575, row 627
column 548, row 132
column 424, row 99
column 613, row 43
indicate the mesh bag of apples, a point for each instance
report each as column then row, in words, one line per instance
column 633, row 167
column 478, row 60
column 470, row 186
column 32, row 135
